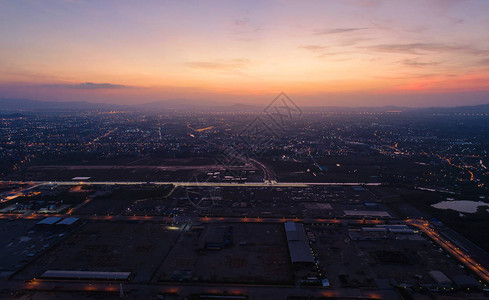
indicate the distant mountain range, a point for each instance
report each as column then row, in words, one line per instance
column 25, row 105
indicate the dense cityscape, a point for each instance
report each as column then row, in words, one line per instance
column 220, row 204
column 244, row 150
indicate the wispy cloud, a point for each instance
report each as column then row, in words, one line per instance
column 219, row 65
column 244, row 29
column 412, row 48
column 321, row 51
column 90, row 86
column 367, row 3
column 242, row 21
column 444, row 5
column 346, row 42
column 456, row 20
column 331, row 54
column 313, row 48
column 337, row 30
column 418, row 64
column 420, row 48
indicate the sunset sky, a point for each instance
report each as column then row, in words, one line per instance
column 351, row 52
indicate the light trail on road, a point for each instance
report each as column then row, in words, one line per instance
column 464, row 258
column 180, row 183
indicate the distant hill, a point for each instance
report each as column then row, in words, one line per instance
column 356, row 109
column 20, row 105
column 12, row 116
column 10, row 105
column 474, row 109
column 177, row 104
column 7, row 104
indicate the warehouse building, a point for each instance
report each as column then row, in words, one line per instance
column 85, row 275
column 299, row 249
column 48, row 222
column 441, row 279
column 68, row 221
column 216, row 237
column 367, row 214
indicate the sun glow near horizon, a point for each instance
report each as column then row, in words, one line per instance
column 138, row 52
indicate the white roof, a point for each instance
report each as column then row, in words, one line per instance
column 299, row 248
column 80, row 178
column 440, row 277
column 85, row 274
column 48, row 221
column 67, row 221
column 367, row 213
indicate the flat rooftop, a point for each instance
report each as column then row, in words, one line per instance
column 48, row 221
column 367, row 213
column 68, row 274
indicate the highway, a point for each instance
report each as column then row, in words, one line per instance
column 131, row 167
column 149, row 290
column 213, row 184
column 191, row 219
column 451, row 248
column 268, row 174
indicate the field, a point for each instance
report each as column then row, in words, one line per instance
column 258, row 254
column 21, row 242
column 378, row 263
column 122, row 247
column 121, row 200
column 147, row 168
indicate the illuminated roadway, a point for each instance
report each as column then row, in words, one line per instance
column 464, row 258
column 269, row 175
column 230, row 290
column 449, row 161
column 194, row 219
column 179, row 183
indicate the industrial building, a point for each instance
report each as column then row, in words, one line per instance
column 299, row 249
column 216, row 237
column 441, row 279
column 85, row 275
column 68, row 221
column 367, row 214
column 48, row 221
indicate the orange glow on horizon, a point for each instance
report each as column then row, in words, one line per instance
column 325, row 53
